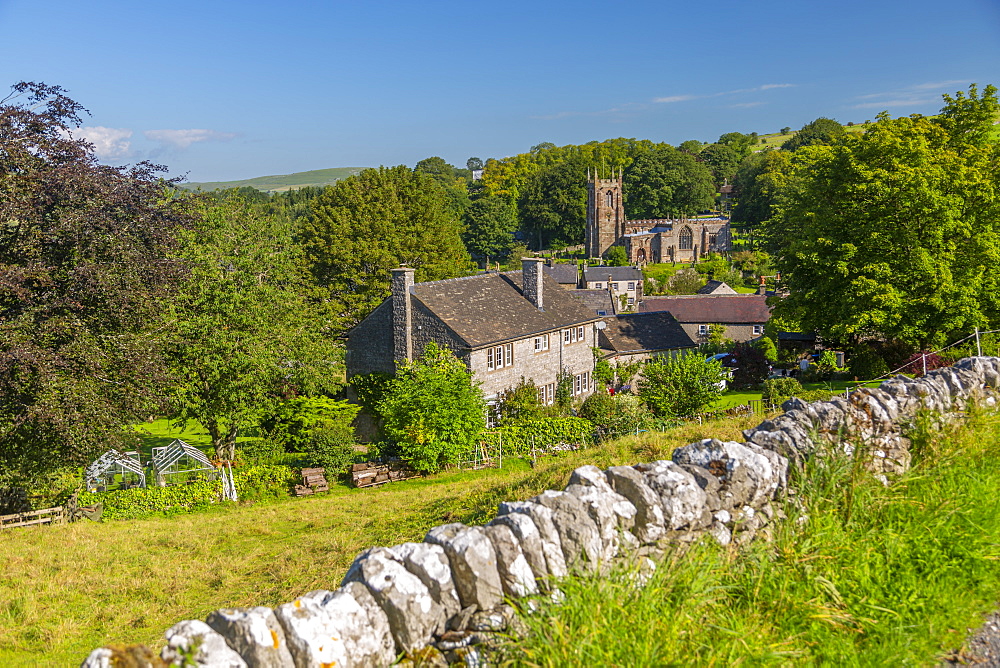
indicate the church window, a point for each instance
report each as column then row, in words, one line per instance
column 609, row 198
column 713, row 238
column 686, row 240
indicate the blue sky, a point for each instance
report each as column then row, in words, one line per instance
column 222, row 90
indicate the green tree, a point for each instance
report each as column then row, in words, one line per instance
column 723, row 160
column 894, row 233
column 452, row 181
column 519, row 404
column 553, row 204
column 616, row 256
column 666, row 183
column 821, row 131
column 490, row 224
column 692, row 146
column 244, row 331
column 680, row 385
column 758, row 181
column 84, row 277
column 433, row 411
column 742, row 144
column 365, row 225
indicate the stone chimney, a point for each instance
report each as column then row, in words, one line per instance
column 762, row 288
column 531, row 280
column 402, row 315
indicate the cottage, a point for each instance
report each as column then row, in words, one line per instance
column 640, row 336
column 504, row 326
column 743, row 316
column 624, row 283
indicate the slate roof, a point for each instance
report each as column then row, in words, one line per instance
column 644, row 332
column 716, row 288
column 595, row 300
column 731, row 309
column 617, row 274
column 489, row 308
column 565, row 274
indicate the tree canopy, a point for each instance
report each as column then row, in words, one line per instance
column 665, row 183
column 83, row 277
column 895, row 233
column 365, row 225
column 821, row 131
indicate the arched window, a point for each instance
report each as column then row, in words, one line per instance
column 609, row 198
column 686, row 240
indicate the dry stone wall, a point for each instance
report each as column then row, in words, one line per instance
column 440, row 600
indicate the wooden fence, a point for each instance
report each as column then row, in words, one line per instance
column 55, row 515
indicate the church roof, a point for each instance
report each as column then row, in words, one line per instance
column 490, row 308
column 644, row 332
column 711, row 308
column 594, row 274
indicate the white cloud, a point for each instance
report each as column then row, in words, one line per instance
column 916, row 95
column 184, row 138
column 675, row 98
column 109, row 143
column 770, row 86
column 744, row 105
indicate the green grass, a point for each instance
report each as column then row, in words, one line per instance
column 874, row 576
column 281, row 183
column 65, row 590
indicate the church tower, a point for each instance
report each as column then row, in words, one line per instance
column 605, row 213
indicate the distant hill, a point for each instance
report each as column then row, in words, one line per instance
column 281, row 182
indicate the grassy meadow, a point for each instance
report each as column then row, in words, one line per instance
column 65, row 590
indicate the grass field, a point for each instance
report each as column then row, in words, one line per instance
column 873, row 576
column 65, row 590
column 282, row 182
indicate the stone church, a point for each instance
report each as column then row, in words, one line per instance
column 659, row 240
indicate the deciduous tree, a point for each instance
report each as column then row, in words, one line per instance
column 680, row 385
column 84, row 274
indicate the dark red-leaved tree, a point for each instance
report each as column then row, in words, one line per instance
column 83, row 276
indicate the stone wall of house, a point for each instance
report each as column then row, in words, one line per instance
column 733, row 332
column 541, row 367
column 444, row 597
column 370, row 344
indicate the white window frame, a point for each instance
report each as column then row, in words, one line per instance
column 598, row 285
column 566, row 336
column 631, row 301
column 614, row 286
column 631, row 285
column 490, row 363
column 581, row 334
column 758, row 330
column 508, row 354
column 702, row 330
column 541, row 343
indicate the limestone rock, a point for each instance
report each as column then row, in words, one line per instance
column 473, row 564
column 378, row 622
column 195, row 637
column 578, row 535
column 516, row 575
column 650, row 524
column 613, row 514
column 430, row 563
column 684, row 501
column 254, row 633
column 530, row 539
column 413, row 614
column 542, row 519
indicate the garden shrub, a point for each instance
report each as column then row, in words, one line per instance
column 867, row 364
column 518, row 439
column 616, row 415
column 126, row 504
column 777, row 390
column 519, row 403
column 331, row 449
column 264, row 481
column 765, row 345
column 259, row 451
column 915, row 363
column 680, row 385
column 752, row 368
column 298, row 420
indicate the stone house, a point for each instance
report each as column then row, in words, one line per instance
column 504, row 326
column 654, row 240
column 743, row 316
column 640, row 336
column 566, row 275
column 620, row 281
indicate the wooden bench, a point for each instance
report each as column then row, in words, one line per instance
column 313, row 480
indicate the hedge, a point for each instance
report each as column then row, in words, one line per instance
column 264, row 481
column 518, row 439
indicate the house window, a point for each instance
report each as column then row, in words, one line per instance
column 598, row 286
column 541, row 343
column 631, row 285
column 702, row 330
column 581, row 383
column 579, row 334
column 631, row 301
column 499, row 357
column 547, row 394
column 758, row 330
column 686, row 240
column 567, row 335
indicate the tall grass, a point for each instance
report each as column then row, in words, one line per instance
column 67, row 589
column 870, row 576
